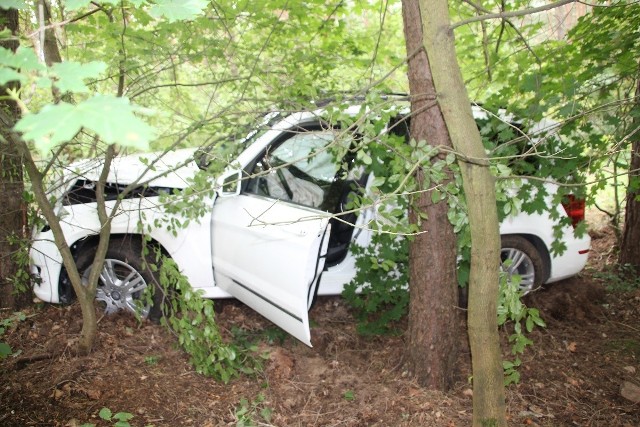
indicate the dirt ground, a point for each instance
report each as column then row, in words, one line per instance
column 571, row 376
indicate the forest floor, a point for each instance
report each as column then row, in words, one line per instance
column 571, row 376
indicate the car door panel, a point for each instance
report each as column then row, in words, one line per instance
column 269, row 254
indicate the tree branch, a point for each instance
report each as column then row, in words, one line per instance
column 511, row 14
column 63, row 23
column 176, row 84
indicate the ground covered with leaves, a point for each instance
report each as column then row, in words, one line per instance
column 575, row 373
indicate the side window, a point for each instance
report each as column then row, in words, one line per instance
column 302, row 170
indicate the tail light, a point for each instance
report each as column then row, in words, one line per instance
column 574, row 208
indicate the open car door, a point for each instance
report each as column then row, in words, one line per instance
column 269, row 254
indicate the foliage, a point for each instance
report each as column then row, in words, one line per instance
column 349, row 396
column 512, row 313
column 253, row 413
column 152, row 360
column 247, row 339
column 378, row 293
column 622, row 278
column 111, row 118
column 5, row 349
column 583, row 86
column 21, row 280
column 120, row 419
column 192, row 319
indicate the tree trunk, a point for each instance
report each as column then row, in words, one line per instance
column 479, row 189
column 50, row 42
column 442, row 67
column 12, row 218
column 85, row 294
column 435, row 330
column 630, row 246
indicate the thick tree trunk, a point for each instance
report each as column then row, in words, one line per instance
column 435, row 330
column 12, row 218
column 630, row 246
column 479, row 189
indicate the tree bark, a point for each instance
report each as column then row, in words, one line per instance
column 630, row 246
column 479, row 189
column 435, row 330
column 12, row 212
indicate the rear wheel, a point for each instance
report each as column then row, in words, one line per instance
column 124, row 278
column 520, row 257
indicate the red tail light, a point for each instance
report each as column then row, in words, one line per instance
column 574, row 208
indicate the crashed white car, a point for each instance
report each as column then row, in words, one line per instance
column 268, row 238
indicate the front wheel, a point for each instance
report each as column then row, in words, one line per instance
column 123, row 280
column 520, row 257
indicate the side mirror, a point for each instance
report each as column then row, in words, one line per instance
column 229, row 183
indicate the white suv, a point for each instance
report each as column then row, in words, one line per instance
column 268, row 239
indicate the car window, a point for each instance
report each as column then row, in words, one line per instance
column 309, row 154
column 302, row 169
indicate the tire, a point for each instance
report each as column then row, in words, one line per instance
column 526, row 262
column 124, row 278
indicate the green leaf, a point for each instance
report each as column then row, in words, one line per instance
column 105, row 414
column 53, row 125
column 44, row 82
column 24, row 59
column 123, row 416
column 378, row 181
column 435, row 196
column 266, row 413
column 529, row 324
column 366, row 159
column 178, row 10
column 507, row 208
column 530, row 82
column 13, row 4
column 70, row 75
column 5, row 350
column 110, row 117
column 8, row 75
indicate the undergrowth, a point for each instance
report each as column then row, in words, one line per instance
column 192, row 319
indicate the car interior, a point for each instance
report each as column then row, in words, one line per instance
column 301, row 167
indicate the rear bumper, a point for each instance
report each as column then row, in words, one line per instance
column 572, row 261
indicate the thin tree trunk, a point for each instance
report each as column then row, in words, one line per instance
column 479, row 189
column 50, row 49
column 50, row 42
column 89, row 323
column 12, row 213
column 630, row 246
column 435, row 331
